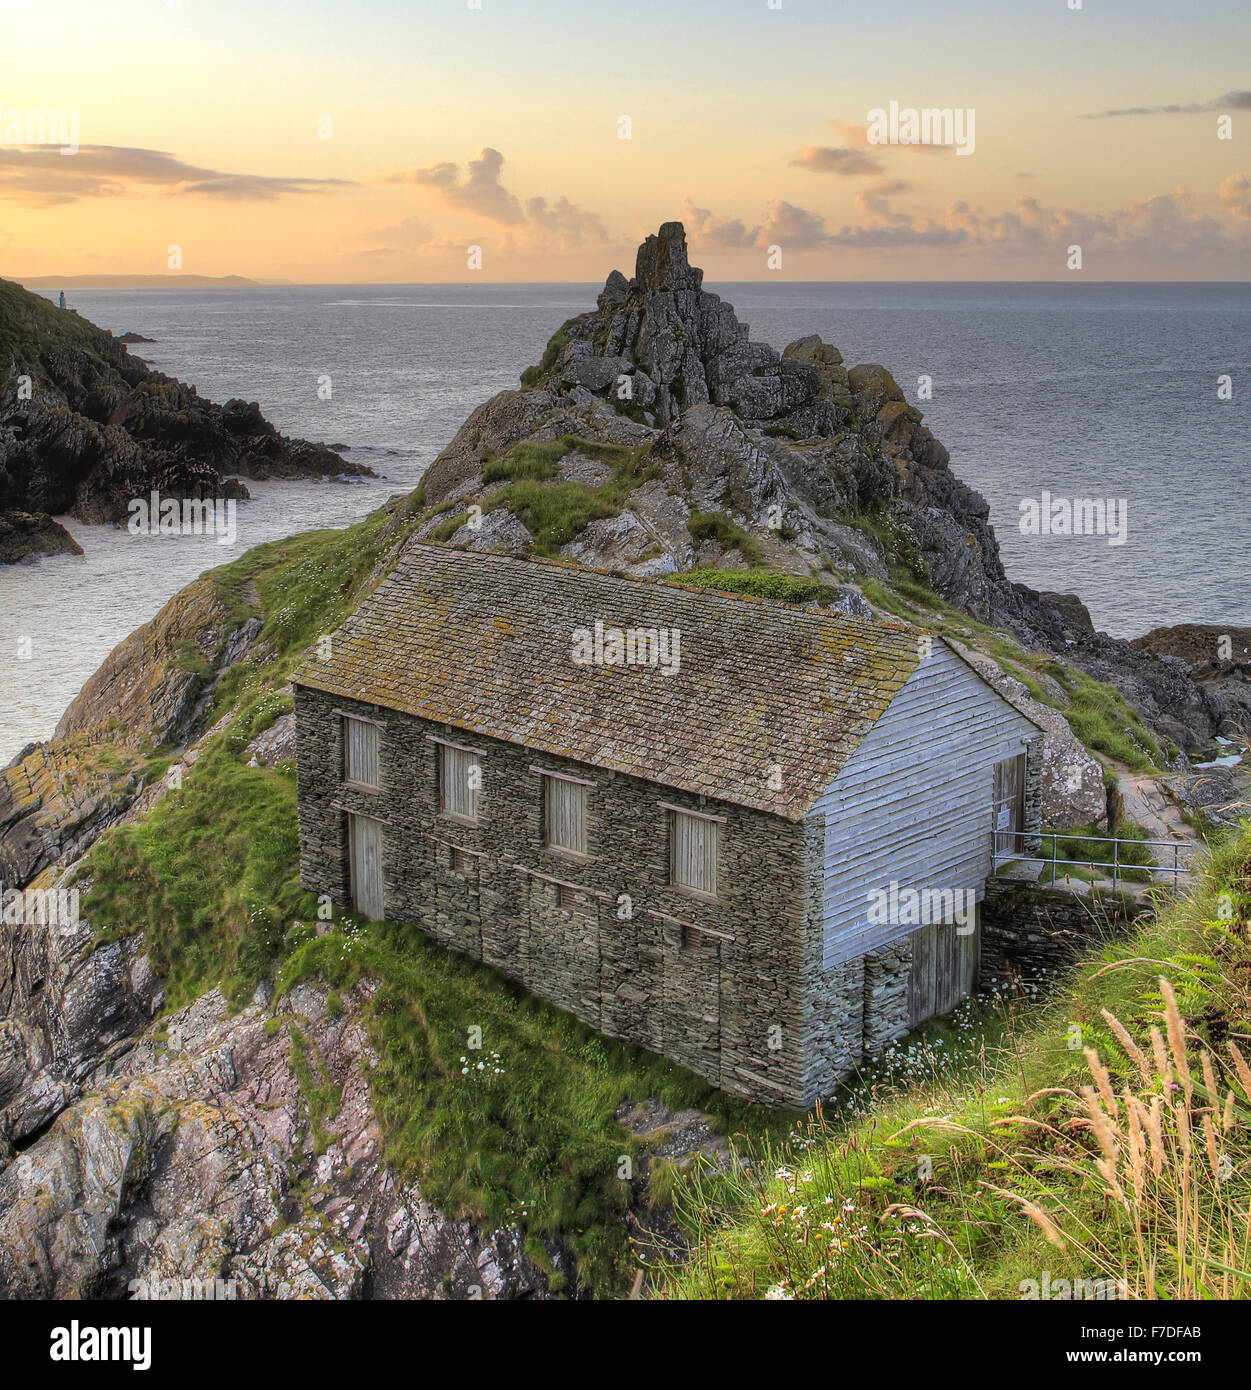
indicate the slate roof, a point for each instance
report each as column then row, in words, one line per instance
column 483, row 643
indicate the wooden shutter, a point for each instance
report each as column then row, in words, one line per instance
column 460, row 797
column 365, row 842
column 566, row 815
column 694, row 851
column 360, row 751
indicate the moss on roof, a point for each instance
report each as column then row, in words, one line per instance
column 765, row 705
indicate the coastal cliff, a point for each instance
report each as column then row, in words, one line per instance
column 718, row 452
column 85, row 427
column 204, row 1078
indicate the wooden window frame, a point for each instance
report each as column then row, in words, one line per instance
column 686, row 889
column 348, row 780
column 565, row 851
column 443, row 747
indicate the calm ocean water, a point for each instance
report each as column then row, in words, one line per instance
column 1099, row 391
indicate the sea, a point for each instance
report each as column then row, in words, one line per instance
column 1133, row 394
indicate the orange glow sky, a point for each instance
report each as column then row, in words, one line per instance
column 198, row 126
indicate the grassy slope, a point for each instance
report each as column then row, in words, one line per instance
column 33, row 329
column 990, row 1172
column 211, row 877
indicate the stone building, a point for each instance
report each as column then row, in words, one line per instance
column 748, row 835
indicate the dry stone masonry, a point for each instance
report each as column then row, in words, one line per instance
column 472, row 651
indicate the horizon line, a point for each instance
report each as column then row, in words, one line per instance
column 174, row 282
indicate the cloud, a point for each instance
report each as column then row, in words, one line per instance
column 706, row 229
column 1235, row 194
column 859, row 135
column 784, row 224
column 537, row 225
column 568, row 223
column 409, row 234
column 824, row 159
column 793, row 227
column 1166, row 224
column 1231, row 101
column 479, row 190
column 44, row 177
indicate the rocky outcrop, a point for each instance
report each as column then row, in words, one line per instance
column 1218, row 660
column 154, row 688
column 822, row 468
column 66, row 1007
column 85, row 427
column 195, row 1158
column 27, row 536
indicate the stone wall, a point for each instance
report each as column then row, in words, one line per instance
column 833, row 1042
column 718, row 986
column 886, row 976
column 1032, row 818
column 1027, row 930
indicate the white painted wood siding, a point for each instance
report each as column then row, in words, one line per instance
column 914, row 802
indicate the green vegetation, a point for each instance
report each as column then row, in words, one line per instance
column 530, row 1136
column 211, row 874
column 322, row 1097
column 1098, row 714
column 211, row 877
column 208, row 876
column 728, row 534
column 1076, row 856
column 520, row 1129
column 1101, row 718
column 908, row 570
column 1104, row 1138
column 534, row 377
column 35, row 333
column 788, row 588
column 555, row 511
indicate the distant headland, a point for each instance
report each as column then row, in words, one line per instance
column 141, row 282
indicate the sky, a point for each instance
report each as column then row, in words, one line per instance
column 381, row 141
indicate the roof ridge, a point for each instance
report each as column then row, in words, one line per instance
column 658, row 582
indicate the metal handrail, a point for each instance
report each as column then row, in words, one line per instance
column 999, row 856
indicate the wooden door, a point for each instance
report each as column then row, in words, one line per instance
column 365, row 842
column 944, row 970
column 1009, row 803
column 921, row 987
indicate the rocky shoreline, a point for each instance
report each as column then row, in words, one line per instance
column 85, row 427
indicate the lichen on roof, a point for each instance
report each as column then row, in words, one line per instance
column 765, row 705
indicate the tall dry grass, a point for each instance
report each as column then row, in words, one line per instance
column 1173, row 1219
